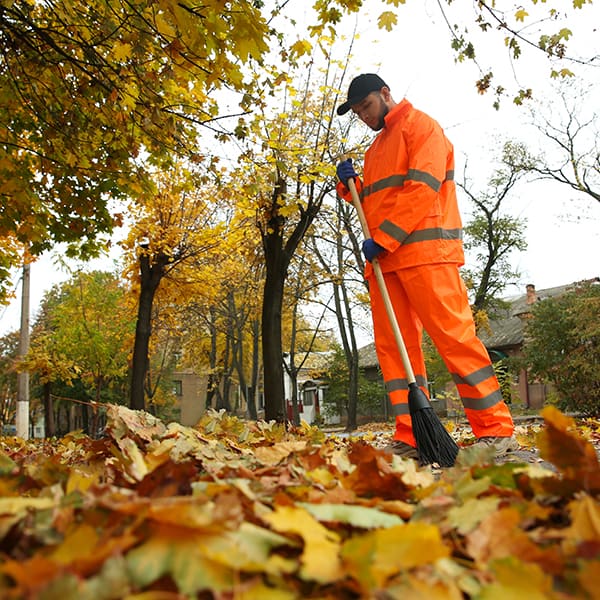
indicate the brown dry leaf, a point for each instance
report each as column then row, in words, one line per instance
column 585, row 520
column 588, row 577
column 122, row 422
column 500, row 536
column 562, row 445
column 273, row 455
column 373, row 474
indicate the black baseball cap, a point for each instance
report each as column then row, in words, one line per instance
column 360, row 88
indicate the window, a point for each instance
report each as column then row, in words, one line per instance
column 178, row 387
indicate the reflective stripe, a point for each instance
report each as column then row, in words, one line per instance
column 483, row 403
column 421, row 235
column 395, row 385
column 400, row 409
column 434, row 233
column 394, row 231
column 475, row 378
column 411, row 175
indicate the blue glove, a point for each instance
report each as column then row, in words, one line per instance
column 346, row 171
column 371, row 249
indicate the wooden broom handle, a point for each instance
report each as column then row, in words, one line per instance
column 389, row 309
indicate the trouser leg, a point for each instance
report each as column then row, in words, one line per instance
column 389, row 357
column 439, row 298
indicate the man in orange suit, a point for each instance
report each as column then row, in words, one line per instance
column 409, row 200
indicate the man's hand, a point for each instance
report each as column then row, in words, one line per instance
column 371, row 249
column 346, row 171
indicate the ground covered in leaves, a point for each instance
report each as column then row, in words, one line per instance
column 236, row 509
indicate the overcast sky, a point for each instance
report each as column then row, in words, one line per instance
column 416, row 61
column 563, row 231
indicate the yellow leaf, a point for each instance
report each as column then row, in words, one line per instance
column 589, row 576
column 20, row 505
column 516, row 579
column 521, row 14
column 387, row 20
column 320, row 558
column 133, row 460
column 121, row 52
column 357, row 516
column 375, row 556
column 301, row 47
column 79, row 542
column 81, row 481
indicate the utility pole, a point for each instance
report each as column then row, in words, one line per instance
column 22, row 416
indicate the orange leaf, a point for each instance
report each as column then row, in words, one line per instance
column 500, row 536
column 574, row 456
column 585, row 520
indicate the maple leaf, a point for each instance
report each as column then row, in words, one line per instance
column 562, row 445
column 375, row 556
column 320, row 557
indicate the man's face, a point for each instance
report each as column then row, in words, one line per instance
column 372, row 110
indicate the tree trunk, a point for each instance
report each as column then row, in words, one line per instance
column 150, row 277
column 277, row 259
column 252, row 409
column 49, row 424
column 271, row 344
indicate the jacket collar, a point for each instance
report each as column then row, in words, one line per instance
column 396, row 113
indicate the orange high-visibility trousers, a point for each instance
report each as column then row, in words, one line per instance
column 434, row 298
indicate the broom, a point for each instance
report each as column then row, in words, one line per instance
column 434, row 444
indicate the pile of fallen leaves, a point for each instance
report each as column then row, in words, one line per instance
column 236, row 509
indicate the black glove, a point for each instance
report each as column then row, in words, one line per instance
column 371, row 249
column 346, row 171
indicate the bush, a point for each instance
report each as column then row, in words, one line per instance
column 562, row 346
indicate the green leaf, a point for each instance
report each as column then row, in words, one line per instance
column 357, row 516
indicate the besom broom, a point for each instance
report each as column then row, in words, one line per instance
column 434, row 444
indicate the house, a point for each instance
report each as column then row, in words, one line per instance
column 311, row 388
column 506, row 335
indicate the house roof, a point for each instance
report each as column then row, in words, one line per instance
column 506, row 330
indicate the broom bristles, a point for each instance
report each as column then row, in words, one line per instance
column 434, row 443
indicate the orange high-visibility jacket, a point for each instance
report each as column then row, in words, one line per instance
column 408, row 192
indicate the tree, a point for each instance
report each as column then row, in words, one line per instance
column 573, row 155
column 492, row 233
column 343, row 264
column 174, row 224
column 287, row 174
column 92, row 92
column 80, row 343
column 9, row 345
column 370, row 394
column 562, row 346
column 543, row 28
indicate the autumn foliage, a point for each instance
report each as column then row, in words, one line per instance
column 235, row 509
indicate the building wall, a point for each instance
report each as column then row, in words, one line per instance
column 191, row 391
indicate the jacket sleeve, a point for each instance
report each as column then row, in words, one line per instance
column 344, row 192
column 402, row 209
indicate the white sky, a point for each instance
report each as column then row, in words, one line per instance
column 416, row 61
